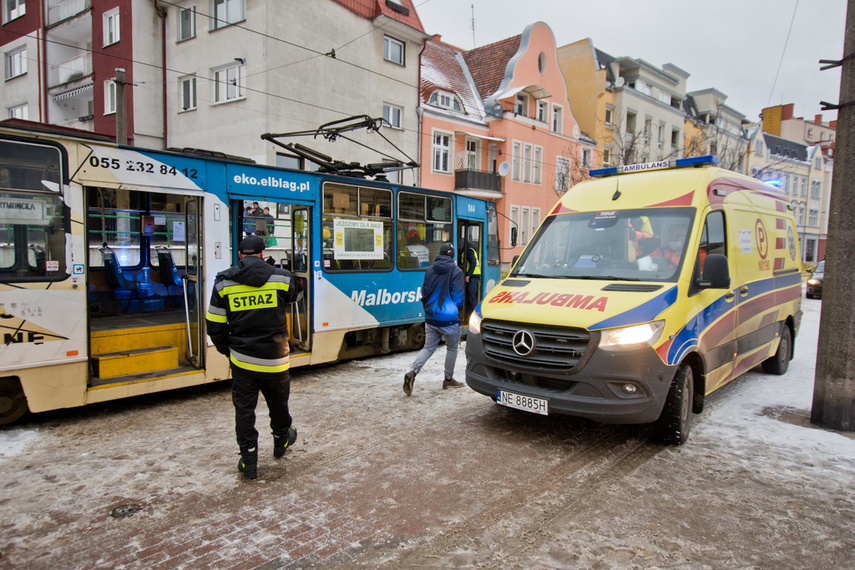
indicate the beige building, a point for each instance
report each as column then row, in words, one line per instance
column 633, row 109
column 713, row 127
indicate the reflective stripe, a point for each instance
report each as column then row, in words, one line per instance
column 477, row 262
column 217, row 311
column 240, row 288
column 256, row 364
column 215, row 318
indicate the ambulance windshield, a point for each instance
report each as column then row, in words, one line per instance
column 628, row 245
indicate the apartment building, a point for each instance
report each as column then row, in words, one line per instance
column 61, row 60
column 781, row 121
column 800, row 171
column 217, row 74
column 632, row 108
column 497, row 124
column 713, row 127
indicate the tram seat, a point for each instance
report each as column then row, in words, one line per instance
column 166, row 268
column 115, row 278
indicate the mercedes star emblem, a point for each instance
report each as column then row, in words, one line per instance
column 523, row 343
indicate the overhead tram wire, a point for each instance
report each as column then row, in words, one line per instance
column 783, row 52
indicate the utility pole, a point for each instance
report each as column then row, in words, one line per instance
column 121, row 108
column 834, row 383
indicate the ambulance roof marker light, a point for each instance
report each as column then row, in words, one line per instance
column 691, row 162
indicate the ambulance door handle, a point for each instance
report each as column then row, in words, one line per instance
column 728, row 296
column 744, row 290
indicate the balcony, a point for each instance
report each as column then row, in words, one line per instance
column 478, row 183
column 59, row 10
column 70, row 69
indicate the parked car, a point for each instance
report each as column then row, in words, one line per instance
column 814, row 282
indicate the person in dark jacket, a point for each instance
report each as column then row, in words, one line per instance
column 247, row 322
column 442, row 297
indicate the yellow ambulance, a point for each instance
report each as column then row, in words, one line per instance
column 643, row 291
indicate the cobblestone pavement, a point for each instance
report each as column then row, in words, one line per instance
column 444, row 478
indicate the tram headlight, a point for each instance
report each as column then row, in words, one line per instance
column 475, row 321
column 632, row 338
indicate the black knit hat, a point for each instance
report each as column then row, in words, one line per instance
column 446, row 249
column 250, row 245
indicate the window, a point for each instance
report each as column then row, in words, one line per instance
column 661, row 138
column 810, row 133
column 516, row 161
column 31, row 239
column 424, row 224
column 713, row 238
column 542, row 111
column 445, row 100
column 228, row 83
column 515, row 219
column 562, row 174
column 557, row 119
column 392, row 114
column 187, row 23
column 814, row 189
column 366, row 245
column 643, row 87
column 527, row 163
column 813, row 218
column 521, row 104
column 227, row 12
column 535, row 220
column 13, row 9
column 665, row 97
column 759, row 150
column 111, row 27
column 16, row 62
column 525, row 225
column 607, row 157
column 472, row 154
column 109, row 96
column 441, row 152
column 609, row 117
column 804, row 186
column 538, row 164
column 393, row 50
column 19, row 112
column 586, row 158
column 187, row 87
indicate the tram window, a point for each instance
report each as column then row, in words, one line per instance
column 358, row 220
column 272, row 222
column 115, row 218
column 164, row 225
column 424, row 224
column 32, row 237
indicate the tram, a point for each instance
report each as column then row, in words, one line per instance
column 108, row 254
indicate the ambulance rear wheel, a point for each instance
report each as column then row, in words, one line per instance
column 13, row 402
column 779, row 363
column 676, row 419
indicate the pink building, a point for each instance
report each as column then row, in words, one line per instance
column 496, row 124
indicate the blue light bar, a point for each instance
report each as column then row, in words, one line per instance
column 707, row 160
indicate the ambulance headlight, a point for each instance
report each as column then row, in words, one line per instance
column 632, row 338
column 475, row 321
column 813, row 281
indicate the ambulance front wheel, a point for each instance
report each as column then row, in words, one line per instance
column 676, row 419
column 780, row 362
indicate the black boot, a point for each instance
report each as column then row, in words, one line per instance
column 248, row 464
column 281, row 442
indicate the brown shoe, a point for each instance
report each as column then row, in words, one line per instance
column 451, row 383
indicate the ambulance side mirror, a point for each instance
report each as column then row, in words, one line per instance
column 716, row 273
column 513, row 237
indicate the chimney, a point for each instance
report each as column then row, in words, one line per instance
column 787, row 111
column 818, row 119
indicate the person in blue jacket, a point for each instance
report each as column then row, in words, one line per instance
column 442, row 297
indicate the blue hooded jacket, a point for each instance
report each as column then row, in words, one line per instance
column 442, row 292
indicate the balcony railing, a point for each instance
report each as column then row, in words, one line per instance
column 59, row 10
column 69, row 70
column 477, row 180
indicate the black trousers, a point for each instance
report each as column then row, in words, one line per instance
column 245, row 387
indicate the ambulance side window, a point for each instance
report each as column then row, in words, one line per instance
column 712, row 238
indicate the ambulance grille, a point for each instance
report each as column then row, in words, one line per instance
column 555, row 348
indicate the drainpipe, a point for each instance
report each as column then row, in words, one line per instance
column 162, row 13
column 43, row 77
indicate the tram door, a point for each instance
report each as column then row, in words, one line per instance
column 301, row 260
column 194, row 279
column 470, row 236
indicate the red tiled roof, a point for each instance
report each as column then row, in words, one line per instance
column 487, row 64
column 370, row 9
column 440, row 69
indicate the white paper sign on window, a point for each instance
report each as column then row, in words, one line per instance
column 357, row 239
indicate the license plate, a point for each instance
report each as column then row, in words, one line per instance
column 525, row 403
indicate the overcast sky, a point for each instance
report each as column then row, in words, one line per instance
column 734, row 46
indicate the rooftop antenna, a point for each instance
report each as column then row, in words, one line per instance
column 474, row 45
